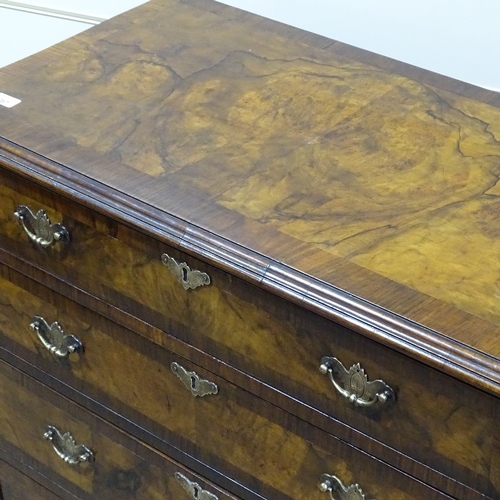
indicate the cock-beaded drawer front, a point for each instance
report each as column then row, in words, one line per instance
column 83, row 453
column 16, row 486
column 245, row 438
column 414, row 409
column 107, row 259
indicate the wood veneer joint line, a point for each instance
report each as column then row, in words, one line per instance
column 331, row 302
column 342, row 49
column 97, row 411
column 83, row 195
column 231, row 377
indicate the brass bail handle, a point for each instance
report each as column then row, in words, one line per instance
column 334, row 486
column 353, row 384
column 39, row 228
column 66, row 448
column 54, row 339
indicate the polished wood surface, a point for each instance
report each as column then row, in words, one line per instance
column 84, row 324
column 122, row 466
column 427, row 422
column 370, row 185
column 255, row 442
column 115, row 364
column 17, row 486
column 342, row 205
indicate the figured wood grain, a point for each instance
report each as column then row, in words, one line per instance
column 295, row 164
column 44, row 368
column 375, row 177
column 123, row 466
column 256, row 445
column 17, row 486
column 242, row 325
column 451, row 428
column 258, row 143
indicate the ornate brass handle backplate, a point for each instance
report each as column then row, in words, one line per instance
column 39, row 228
column 66, row 448
column 187, row 277
column 195, row 384
column 338, row 491
column 354, row 384
column 54, row 339
column 193, row 489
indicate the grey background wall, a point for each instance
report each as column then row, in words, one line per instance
column 458, row 38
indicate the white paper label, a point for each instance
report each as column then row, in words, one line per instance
column 8, row 101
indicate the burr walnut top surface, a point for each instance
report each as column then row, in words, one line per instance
column 364, row 174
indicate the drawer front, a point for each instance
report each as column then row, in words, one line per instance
column 98, row 255
column 435, row 419
column 259, row 445
column 16, row 486
column 28, row 408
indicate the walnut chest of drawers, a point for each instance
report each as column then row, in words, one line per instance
column 241, row 261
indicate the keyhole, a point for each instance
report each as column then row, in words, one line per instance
column 193, row 382
column 184, row 275
column 195, row 492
